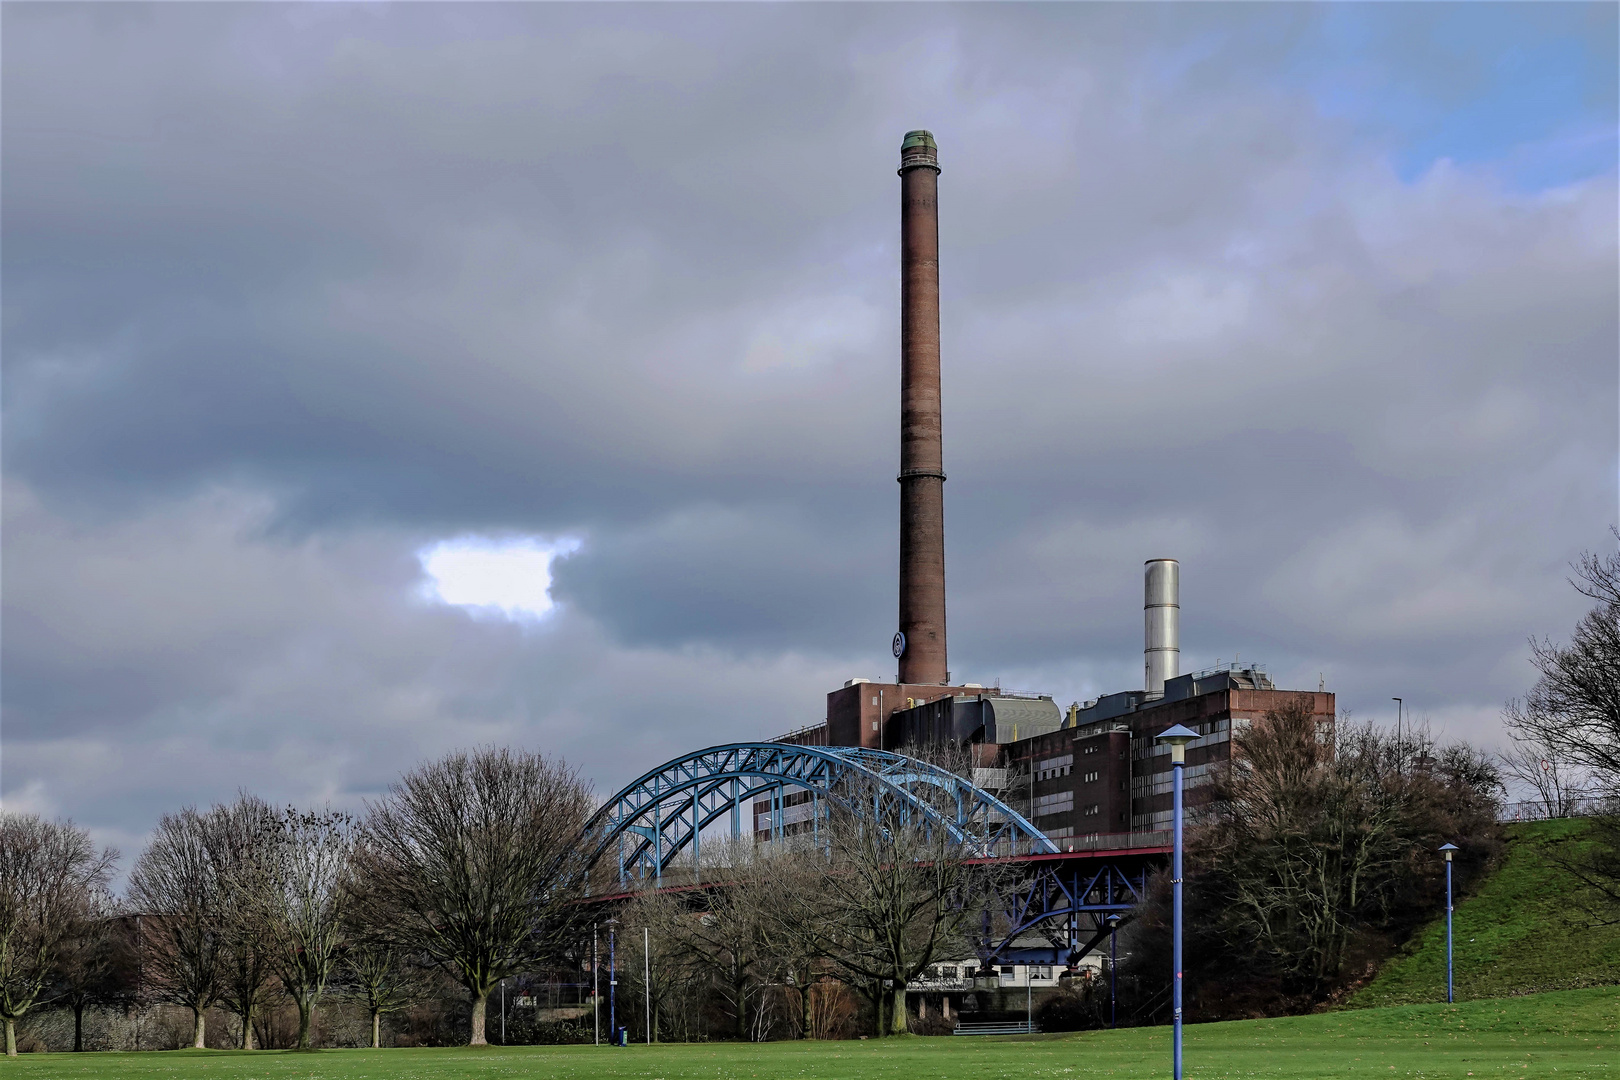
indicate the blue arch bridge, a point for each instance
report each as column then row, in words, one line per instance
column 1055, row 911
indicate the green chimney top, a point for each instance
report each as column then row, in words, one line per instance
column 918, row 138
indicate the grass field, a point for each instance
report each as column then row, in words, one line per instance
column 1573, row 1033
column 1519, row 934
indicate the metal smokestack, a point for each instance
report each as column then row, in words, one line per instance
column 1161, row 618
column 920, row 645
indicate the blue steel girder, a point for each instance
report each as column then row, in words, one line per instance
column 667, row 809
column 1091, row 888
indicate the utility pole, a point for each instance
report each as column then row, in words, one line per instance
column 646, row 976
column 596, row 992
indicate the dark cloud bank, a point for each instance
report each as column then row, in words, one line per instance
column 291, row 292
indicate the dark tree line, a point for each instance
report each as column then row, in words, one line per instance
column 1318, row 856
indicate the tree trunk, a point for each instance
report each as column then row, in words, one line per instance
column 247, row 1028
column 11, row 1037
column 200, row 1031
column 477, row 1039
column 78, row 1026
column 376, row 1029
column 897, row 1010
column 306, row 1008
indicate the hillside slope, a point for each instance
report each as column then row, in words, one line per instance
column 1520, row 934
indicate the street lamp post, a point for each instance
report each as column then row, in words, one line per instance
column 1448, row 849
column 1400, row 707
column 596, row 992
column 1178, row 737
column 613, row 987
column 1113, row 970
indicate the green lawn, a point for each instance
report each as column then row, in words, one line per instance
column 1573, row 1033
column 1518, row 935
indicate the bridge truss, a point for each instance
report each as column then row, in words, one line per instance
column 1058, row 910
column 663, row 814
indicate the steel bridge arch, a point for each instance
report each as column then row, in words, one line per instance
column 663, row 812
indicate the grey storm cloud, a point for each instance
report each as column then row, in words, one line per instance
column 291, row 292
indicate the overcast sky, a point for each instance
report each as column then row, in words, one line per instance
column 326, row 327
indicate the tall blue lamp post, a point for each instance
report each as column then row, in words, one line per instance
column 1447, row 850
column 1178, row 737
column 1113, row 967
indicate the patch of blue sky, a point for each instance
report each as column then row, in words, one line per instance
column 1526, row 90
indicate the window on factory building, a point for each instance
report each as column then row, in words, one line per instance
column 1094, row 808
column 1054, row 767
column 1059, row 802
column 1092, row 776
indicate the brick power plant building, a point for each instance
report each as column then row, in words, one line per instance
column 1092, row 774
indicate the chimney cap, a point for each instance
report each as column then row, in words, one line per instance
column 918, row 138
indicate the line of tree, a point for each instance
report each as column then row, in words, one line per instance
column 1318, row 855
column 469, row 866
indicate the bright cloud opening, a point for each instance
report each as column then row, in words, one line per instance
column 509, row 577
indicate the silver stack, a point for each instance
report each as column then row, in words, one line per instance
column 1161, row 618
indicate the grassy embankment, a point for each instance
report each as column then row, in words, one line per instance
column 1520, row 934
column 1569, row 1034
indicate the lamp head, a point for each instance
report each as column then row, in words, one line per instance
column 1178, row 737
column 1447, row 849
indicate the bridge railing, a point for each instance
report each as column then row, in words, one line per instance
column 682, row 874
column 1114, row 841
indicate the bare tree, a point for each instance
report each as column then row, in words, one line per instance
column 203, row 880
column 174, row 882
column 50, row 875
column 1312, row 842
column 1572, row 715
column 237, row 843
column 1574, row 708
column 308, row 854
column 890, row 895
column 1559, row 786
column 377, row 974
column 480, row 859
column 96, row 962
column 717, row 942
column 374, row 970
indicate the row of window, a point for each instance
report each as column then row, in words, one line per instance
column 1059, row 802
column 949, row 972
column 1054, row 766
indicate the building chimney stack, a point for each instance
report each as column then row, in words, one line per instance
column 1161, row 617
column 920, row 644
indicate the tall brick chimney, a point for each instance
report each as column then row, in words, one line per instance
column 920, row 645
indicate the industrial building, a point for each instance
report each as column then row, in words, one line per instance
column 1090, row 776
